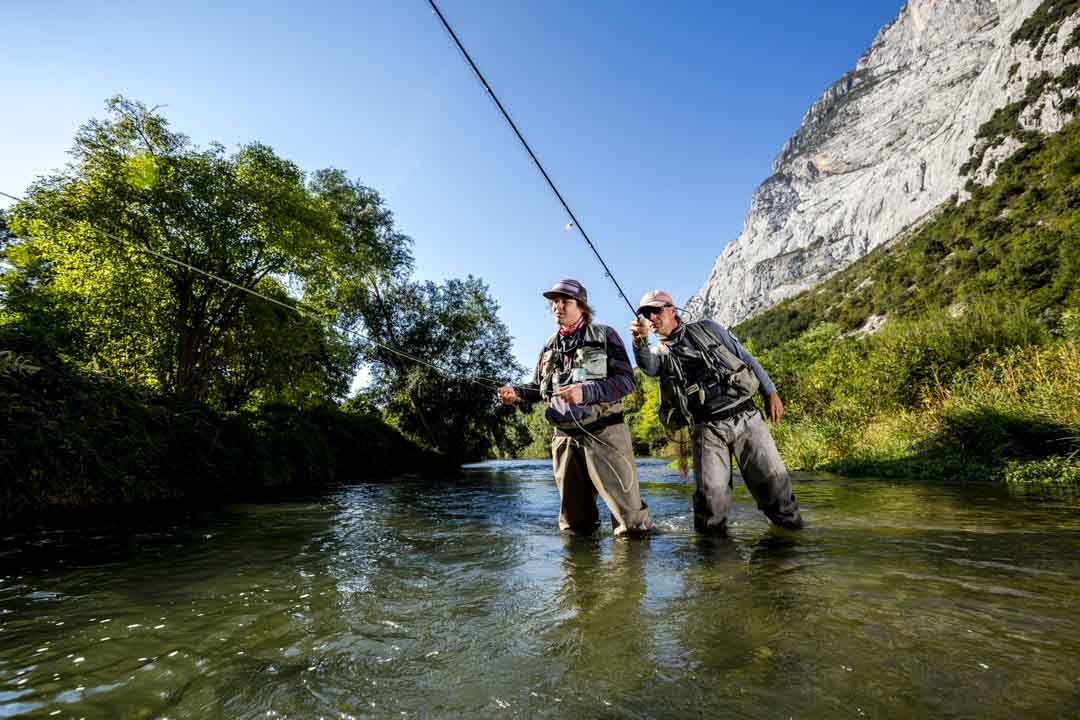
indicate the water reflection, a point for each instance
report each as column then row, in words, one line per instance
column 605, row 639
column 462, row 599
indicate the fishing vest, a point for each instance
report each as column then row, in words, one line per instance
column 589, row 361
column 726, row 382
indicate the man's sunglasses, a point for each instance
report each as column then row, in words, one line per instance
column 650, row 311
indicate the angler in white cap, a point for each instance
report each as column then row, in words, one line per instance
column 707, row 382
column 583, row 374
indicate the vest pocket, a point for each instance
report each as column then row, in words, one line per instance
column 744, row 382
column 594, row 361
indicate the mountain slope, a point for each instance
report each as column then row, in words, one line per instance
column 944, row 93
column 1015, row 242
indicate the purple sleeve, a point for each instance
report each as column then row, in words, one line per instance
column 620, row 380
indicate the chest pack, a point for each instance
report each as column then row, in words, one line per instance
column 725, row 381
column 575, row 359
column 584, row 359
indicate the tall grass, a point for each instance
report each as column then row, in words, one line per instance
column 978, row 394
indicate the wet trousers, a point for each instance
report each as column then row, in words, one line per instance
column 600, row 463
column 747, row 437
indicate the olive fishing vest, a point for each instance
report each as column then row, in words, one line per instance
column 589, row 361
column 726, row 382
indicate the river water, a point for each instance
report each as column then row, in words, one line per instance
column 461, row 599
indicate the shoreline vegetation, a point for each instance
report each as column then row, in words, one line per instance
column 129, row 375
column 79, row 440
column 953, row 352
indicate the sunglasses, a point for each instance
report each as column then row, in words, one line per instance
column 650, row 311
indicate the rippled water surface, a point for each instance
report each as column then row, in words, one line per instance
column 461, row 599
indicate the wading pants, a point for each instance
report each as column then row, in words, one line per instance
column 601, row 463
column 763, row 471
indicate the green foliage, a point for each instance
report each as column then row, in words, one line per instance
column 976, row 371
column 160, row 381
column 642, row 412
column 540, row 433
column 929, row 397
column 1070, row 324
column 455, row 326
column 1005, row 123
column 72, row 439
column 1012, row 244
column 83, row 276
column 12, row 363
column 1052, row 470
column 1042, row 25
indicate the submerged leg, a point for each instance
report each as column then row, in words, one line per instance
column 609, row 456
column 577, row 496
column 712, row 477
column 763, row 471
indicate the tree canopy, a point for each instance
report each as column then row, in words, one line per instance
column 455, row 326
column 137, row 259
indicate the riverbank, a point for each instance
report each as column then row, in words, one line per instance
column 73, row 440
column 907, row 403
column 951, row 352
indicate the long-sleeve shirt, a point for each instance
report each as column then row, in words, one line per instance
column 618, row 384
column 689, row 357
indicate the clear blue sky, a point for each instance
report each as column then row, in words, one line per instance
column 656, row 119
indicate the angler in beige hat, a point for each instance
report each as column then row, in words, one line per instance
column 582, row 375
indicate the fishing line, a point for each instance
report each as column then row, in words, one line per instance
column 536, row 161
column 485, row 382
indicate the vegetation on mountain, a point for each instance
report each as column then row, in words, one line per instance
column 1005, row 122
column 1013, row 242
column 1043, row 24
column 976, row 370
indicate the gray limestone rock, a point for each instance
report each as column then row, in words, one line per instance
column 884, row 146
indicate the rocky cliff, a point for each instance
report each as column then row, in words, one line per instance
column 944, row 92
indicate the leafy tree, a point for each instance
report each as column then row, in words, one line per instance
column 643, row 416
column 452, row 325
column 24, row 300
column 249, row 217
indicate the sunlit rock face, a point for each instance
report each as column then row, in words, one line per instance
column 883, row 147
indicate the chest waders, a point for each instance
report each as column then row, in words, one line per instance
column 592, row 450
column 716, row 405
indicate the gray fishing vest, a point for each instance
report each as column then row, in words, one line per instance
column 591, row 358
column 728, row 381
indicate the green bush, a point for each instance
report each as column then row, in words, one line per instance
column 73, row 439
column 1052, row 470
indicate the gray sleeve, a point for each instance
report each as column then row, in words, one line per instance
column 646, row 359
column 732, row 343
